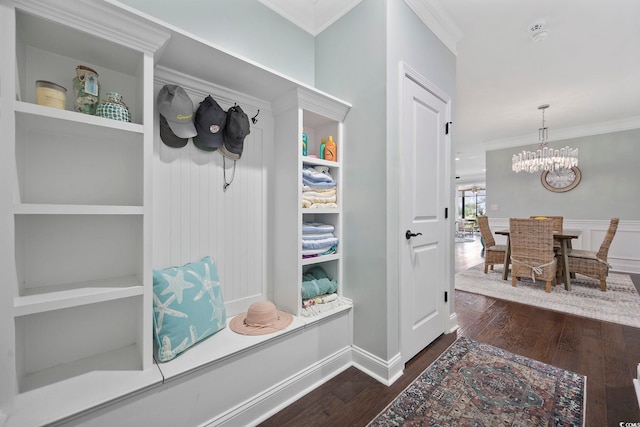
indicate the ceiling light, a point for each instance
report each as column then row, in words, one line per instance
column 544, row 158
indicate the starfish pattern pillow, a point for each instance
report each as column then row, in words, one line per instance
column 187, row 306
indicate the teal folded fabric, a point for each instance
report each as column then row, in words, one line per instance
column 315, row 282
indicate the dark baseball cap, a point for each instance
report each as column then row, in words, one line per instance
column 235, row 131
column 210, row 121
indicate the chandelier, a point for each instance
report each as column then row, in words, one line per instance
column 544, row 158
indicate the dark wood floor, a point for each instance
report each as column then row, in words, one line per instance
column 606, row 353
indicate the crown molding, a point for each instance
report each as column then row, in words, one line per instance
column 114, row 23
column 313, row 16
column 436, row 18
column 618, row 125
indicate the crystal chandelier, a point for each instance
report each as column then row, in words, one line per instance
column 544, row 158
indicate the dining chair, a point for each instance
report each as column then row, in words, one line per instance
column 532, row 251
column 594, row 263
column 493, row 254
column 558, row 220
column 558, row 223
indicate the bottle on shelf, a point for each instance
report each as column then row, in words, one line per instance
column 305, row 143
column 322, row 146
column 330, row 150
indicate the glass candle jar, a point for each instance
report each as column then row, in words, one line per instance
column 113, row 108
column 86, row 89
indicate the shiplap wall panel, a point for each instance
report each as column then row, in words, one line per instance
column 194, row 216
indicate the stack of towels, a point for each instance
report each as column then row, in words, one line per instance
column 318, row 239
column 317, row 288
column 318, row 188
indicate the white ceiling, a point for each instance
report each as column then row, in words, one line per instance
column 587, row 69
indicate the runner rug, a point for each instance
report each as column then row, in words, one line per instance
column 475, row 384
column 619, row 304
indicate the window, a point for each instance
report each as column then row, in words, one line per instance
column 470, row 201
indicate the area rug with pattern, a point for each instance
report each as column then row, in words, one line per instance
column 475, row 384
column 619, row 304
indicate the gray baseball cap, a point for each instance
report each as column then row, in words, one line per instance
column 176, row 108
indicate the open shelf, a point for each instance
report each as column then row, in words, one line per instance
column 68, row 389
column 69, row 158
column 56, row 297
column 49, row 51
column 59, row 345
column 321, row 259
column 314, row 161
column 43, row 209
column 56, row 120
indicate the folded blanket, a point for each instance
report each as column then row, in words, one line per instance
column 317, row 185
column 316, row 236
column 310, row 253
column 319, row 193
column 319, row 199
column 318, row 309
column 310, row 185
column 319, row 244
column 315, row 282
column 316, row 227
column 321, row 205
column 315, row 176
column 322, row 299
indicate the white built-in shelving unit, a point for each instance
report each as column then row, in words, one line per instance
column 76, row 207
column 319, row 118
column 76, row 197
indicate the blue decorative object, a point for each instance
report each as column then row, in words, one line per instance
column 187, row 306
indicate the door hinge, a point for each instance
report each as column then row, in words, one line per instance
column 446, row 213
column 446, row 127
column 446, row 296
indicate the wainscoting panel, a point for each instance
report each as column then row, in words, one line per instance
column 624, row 255
column 194, row 216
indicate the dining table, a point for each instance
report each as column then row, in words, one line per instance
column 563, row 236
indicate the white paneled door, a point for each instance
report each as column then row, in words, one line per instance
column 423, row 197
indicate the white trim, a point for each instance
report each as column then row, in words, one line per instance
column 436, row 18
column 111, row 24
column 384, row 371
column 453, row 318
column 311, row 16
column 260, row 407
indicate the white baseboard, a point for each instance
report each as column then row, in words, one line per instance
column 273, row 400
column 385, row 371
column 453, row 323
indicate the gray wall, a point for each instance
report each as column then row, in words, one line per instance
column 609, row 185
column 351, row 65
column 363, row 67
column 356, row 59
column 244, row 27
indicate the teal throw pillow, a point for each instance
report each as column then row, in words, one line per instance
column 187, row 306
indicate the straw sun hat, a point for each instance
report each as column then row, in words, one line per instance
column 261, row 318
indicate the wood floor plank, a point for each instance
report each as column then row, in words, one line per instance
column 606, row 353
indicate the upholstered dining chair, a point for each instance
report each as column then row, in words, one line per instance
column 493, row 254
column 591, row 263
column 532, row 253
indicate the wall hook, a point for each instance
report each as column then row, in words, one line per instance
column 254, row 119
